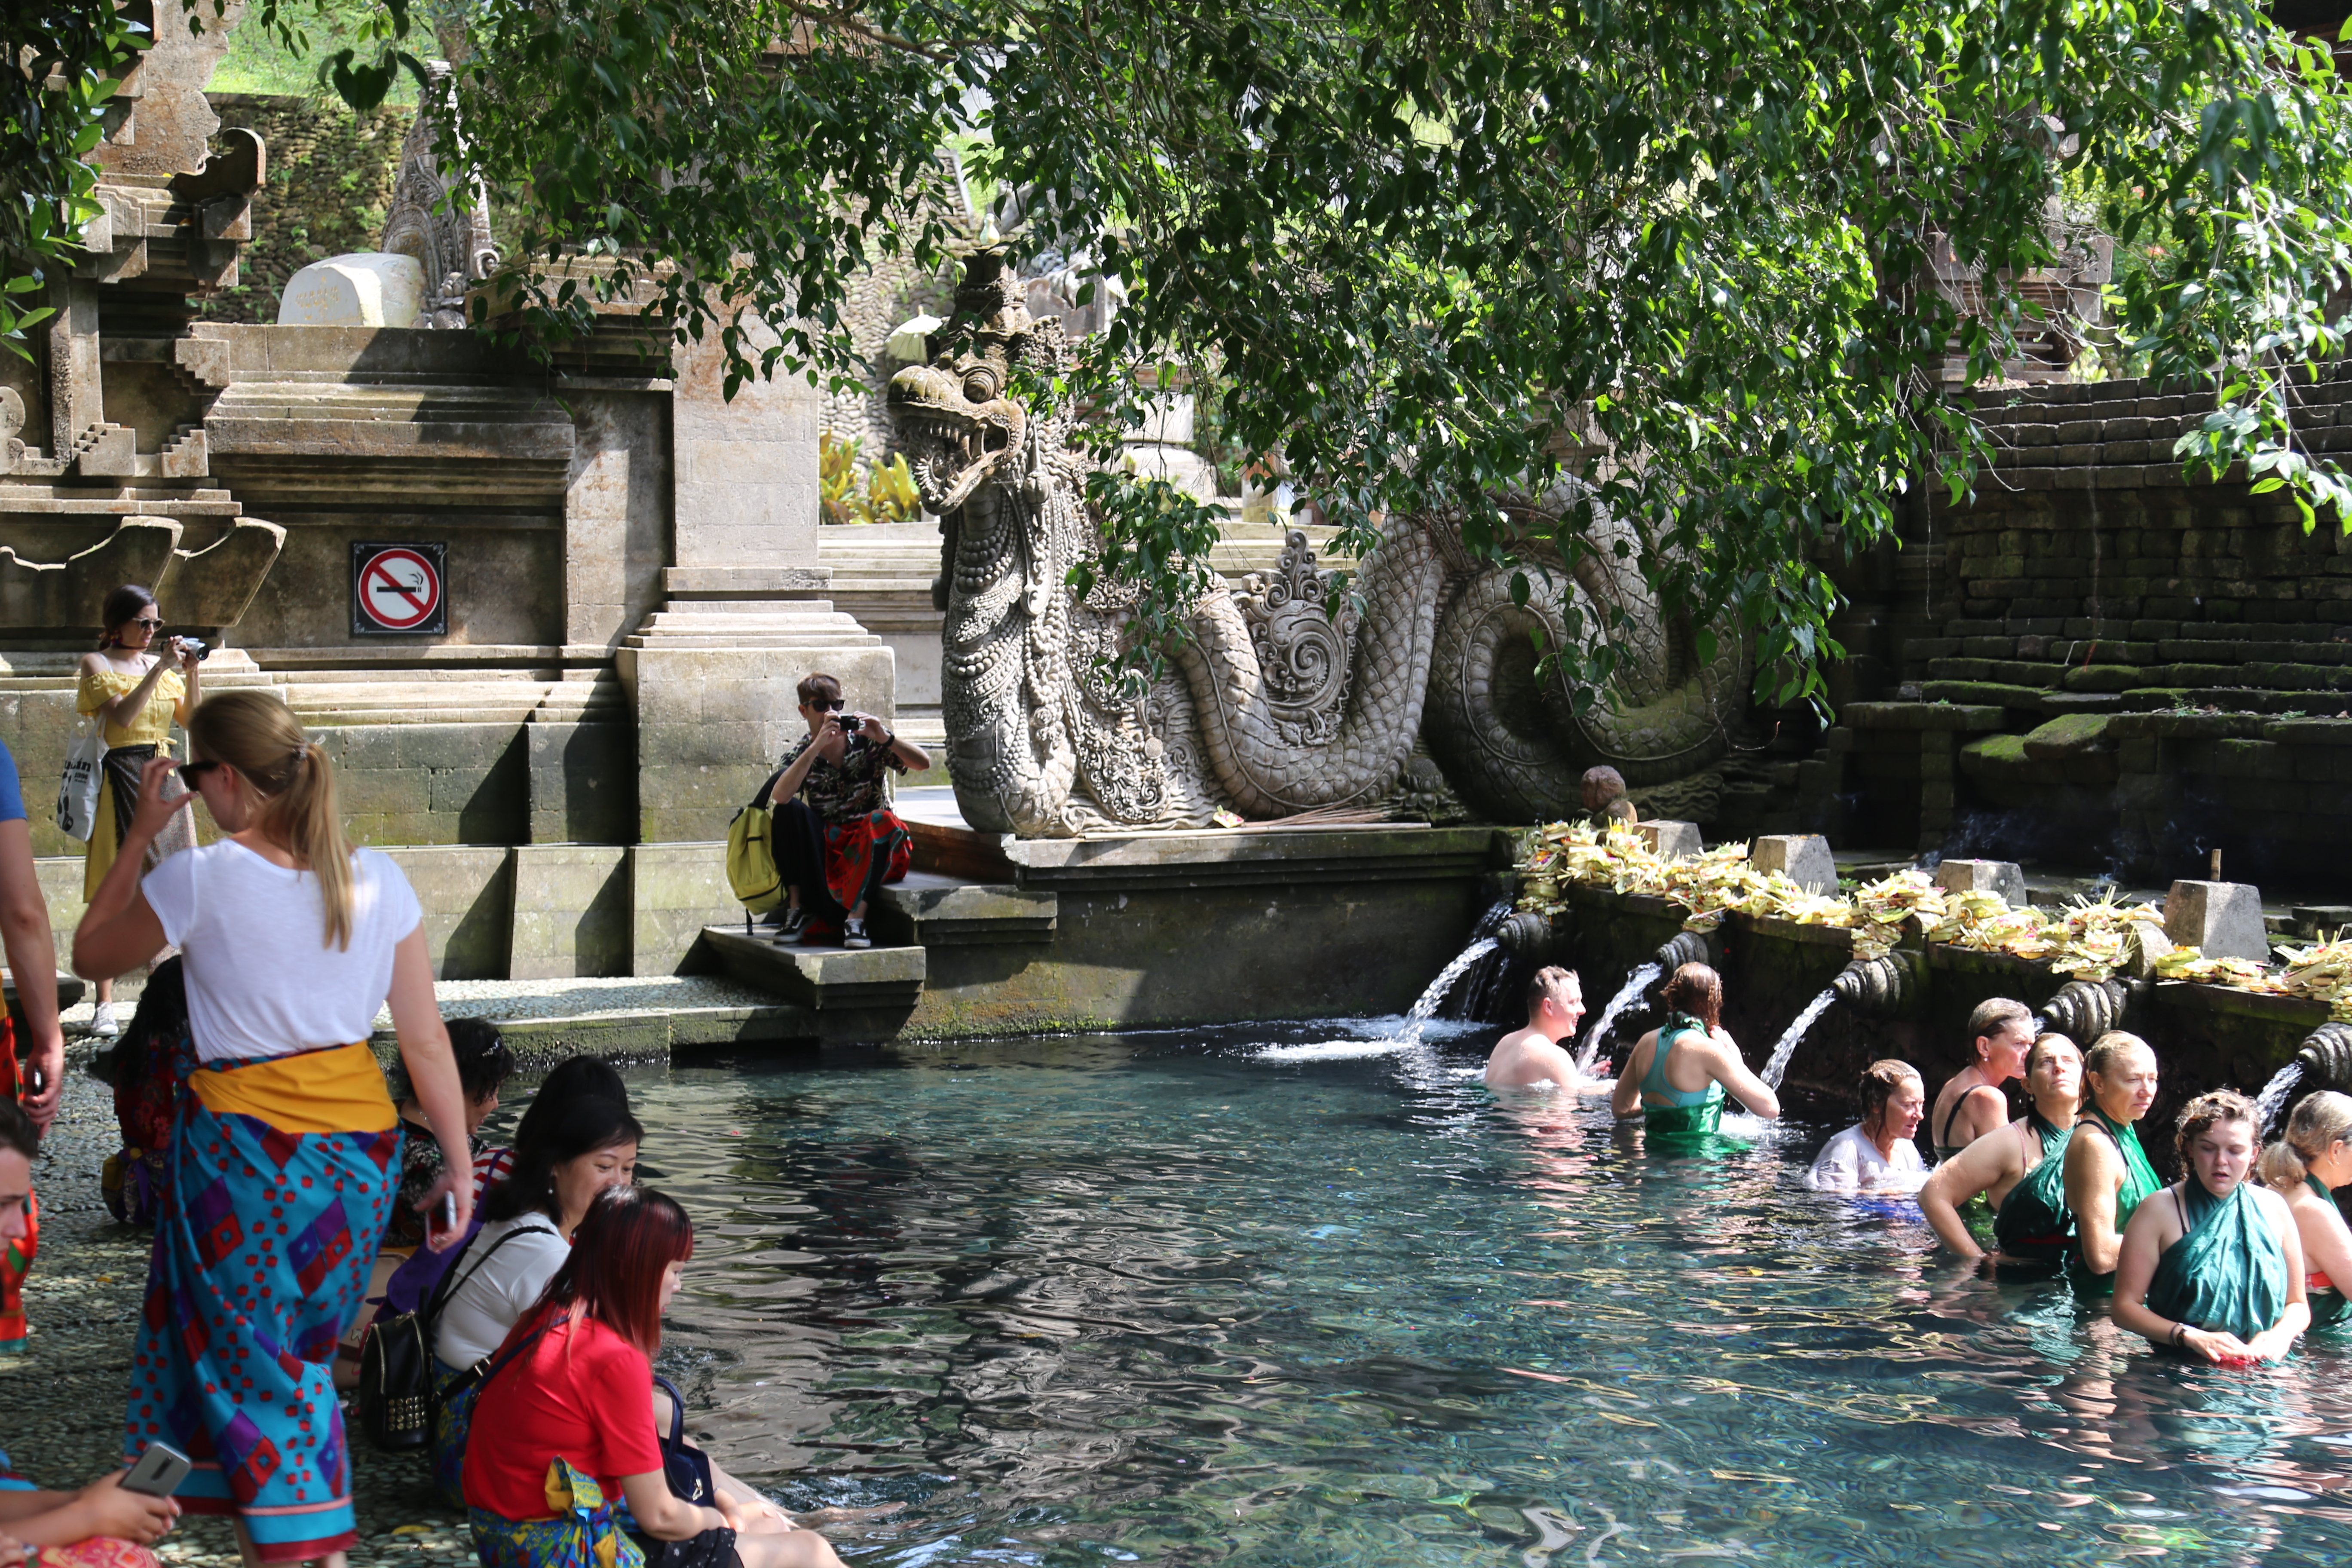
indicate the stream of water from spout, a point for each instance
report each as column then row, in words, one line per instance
column 2273, row 1098
column 1778, row 1066
column 1636, row 984
column 1431, row 999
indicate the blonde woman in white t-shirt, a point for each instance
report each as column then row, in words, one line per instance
column 284, row 1155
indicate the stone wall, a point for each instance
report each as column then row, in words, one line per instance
column 330, row 184
column 2109, row 665
column 895, row 291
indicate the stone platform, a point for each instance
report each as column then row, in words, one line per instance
column 992, row 934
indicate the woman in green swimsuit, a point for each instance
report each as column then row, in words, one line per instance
column 2107, row 1172
column 2305, row 1167
column 1675, row 1076
column 2021, row 1170
column 2212, row 1267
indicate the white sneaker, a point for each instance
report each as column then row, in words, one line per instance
column 853, row 934
column 101, row 1023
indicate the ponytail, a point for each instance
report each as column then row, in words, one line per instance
column 256, row 734
column 2320, row 1121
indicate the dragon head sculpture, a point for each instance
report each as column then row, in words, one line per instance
column 957, row 422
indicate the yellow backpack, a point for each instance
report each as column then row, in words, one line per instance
column 751, row 854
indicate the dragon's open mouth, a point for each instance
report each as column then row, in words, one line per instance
column 952, row 443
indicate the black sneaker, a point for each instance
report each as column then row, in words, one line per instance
column 789, row 923
column 853, row 934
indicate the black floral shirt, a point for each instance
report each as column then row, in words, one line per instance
column 852, row 788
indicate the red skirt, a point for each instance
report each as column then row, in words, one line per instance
column 16, row 1257
column 852, row 850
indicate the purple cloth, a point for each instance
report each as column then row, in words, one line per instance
column 412, row 1284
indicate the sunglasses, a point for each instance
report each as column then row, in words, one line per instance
column 144, row 621
column 191, row 771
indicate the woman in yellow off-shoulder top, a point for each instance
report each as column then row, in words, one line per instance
column 138, row 695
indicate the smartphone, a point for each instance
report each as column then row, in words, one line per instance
column 447, row 1211
column 159, row 1472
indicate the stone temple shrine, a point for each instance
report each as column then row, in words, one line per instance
column 608, row 575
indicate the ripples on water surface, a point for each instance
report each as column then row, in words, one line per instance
column 1179, row 1299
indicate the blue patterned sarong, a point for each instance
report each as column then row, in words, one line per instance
column 271, row 1216
column 584, row 1534
column 452, row 1419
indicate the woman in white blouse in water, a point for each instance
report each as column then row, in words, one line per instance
column 1878, row 1154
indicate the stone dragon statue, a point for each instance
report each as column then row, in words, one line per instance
column 1273, row 706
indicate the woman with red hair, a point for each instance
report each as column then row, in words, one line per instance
column 564, row 1418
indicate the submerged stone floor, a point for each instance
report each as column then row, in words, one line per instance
column 61, row 1402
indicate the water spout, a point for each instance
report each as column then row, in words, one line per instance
column 1639, row 981
column 1778, row 1066
column 2083, row 1010
column 1431, row 999
column 1474, row 998
column 2272, row 1100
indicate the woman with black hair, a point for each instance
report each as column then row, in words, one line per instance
column 567, row 1152
column 137, row 696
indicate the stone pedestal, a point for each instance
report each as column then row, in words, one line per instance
column 1803, row 857
column 2221, row 920
column 712, row 672
column 1671, row 840
column 713, row 681
column 2002, row 877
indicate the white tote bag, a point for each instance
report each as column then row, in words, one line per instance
column 78, row 790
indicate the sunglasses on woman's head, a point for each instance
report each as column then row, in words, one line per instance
column 191, row 771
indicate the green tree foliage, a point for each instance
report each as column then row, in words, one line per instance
column 1436, row 254
column 63, row 63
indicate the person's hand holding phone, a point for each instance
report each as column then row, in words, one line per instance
column 126, row 1515
column 448, row 1209
column 156, row 806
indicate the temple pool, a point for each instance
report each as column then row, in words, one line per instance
column 1260, row 1297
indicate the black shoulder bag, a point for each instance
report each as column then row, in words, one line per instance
column 687, row 1466
column 395, row 1402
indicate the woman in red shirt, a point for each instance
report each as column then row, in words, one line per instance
column 564, row 1419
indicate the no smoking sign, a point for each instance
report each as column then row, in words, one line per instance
column 400, row 590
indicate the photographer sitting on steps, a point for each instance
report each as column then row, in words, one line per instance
column 836, row 838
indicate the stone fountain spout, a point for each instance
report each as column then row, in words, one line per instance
column 1527, row 936
column 2325, row 1057
column 1886, row 986
column 2084, row 1009
column 1686, row 947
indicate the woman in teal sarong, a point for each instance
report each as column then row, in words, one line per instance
column 2305, row 1167
column 1675, row 1076
column 2212, row 1266
column 2107, row 1172
column 2021, row 1171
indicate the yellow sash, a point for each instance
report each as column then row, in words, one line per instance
column 337, row 1089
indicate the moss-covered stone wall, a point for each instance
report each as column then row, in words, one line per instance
column 329, row 183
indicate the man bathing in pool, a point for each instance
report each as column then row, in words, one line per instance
column 1531, row 1057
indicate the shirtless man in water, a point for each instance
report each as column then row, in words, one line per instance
column 1531, row 1057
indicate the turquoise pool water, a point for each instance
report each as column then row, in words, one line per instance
column 1252, row 1298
